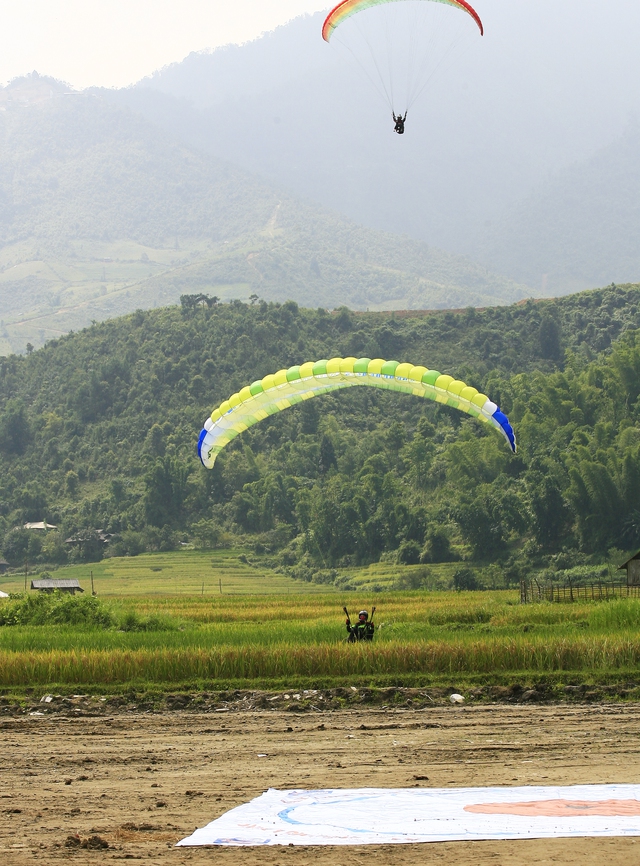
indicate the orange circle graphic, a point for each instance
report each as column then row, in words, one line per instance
column 560, row 808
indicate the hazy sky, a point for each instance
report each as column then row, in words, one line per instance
column 116, row 42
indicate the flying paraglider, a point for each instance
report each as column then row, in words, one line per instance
column 286, row 388
column 399, row 46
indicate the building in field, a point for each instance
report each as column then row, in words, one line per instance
column 632, row 567
column 4, row 565
column 48, row 584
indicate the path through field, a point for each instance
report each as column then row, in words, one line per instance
column 142, row 782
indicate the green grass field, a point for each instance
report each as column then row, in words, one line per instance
column 180, row 639
column 221, row 572
column 189, row 572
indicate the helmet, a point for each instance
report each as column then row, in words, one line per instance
column 364, row 613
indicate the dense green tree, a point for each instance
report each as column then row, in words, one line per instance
column 21, row 545
column 409, row 553
column 344, row 478
column 465, row 579
column 327, row 455
column 438, row 548
column 549, row 335
column 165, row 493
column 550, row 511
column 14, row 428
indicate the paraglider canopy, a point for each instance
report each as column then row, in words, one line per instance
column 286, row 388
column 401, row 46
column 348, row 8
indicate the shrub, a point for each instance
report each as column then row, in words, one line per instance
column 129, row 543
column 409, row 553
column 438, row 548
column 465, row 579
column 132, row 622
column 56, row 608
column 419, row 578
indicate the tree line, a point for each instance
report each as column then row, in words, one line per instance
column 98, row 432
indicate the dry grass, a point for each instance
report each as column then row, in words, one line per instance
column 262, row 639
column 277, row 662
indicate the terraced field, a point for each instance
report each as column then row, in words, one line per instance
column 190, row 572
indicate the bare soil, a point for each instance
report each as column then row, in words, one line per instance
column 139, row 782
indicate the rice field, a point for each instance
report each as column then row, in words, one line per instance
column 188, row 572
column 218, row 572
column 281, row 662
column 196, row 640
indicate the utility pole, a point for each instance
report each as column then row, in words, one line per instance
column 93, row 592
column 26, row 572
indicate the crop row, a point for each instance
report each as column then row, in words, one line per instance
column 484, row 656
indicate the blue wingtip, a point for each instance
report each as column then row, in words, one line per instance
column 203, row 433
column 503, row 421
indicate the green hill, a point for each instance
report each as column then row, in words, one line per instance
column 102, row 213
column 98, row 432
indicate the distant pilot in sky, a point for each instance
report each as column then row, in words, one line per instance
column 399, row 121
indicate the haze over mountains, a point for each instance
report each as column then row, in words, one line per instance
column 211, row 176
column 580, row 227
column 101, row 212
column 499, row 139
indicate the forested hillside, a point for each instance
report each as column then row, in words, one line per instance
column 101, row 212
column 98, row 432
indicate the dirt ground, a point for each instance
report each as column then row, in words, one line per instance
column 142, row 782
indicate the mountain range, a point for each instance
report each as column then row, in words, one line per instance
column 522, row 153
column 102, row 212
column 581, row 227
column 270, row 169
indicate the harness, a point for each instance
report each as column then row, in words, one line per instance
column 360, row 631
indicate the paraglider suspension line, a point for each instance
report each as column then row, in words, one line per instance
column 378, row 86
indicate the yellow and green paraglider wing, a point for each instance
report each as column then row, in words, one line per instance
column 286, row 388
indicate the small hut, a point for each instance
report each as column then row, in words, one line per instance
column 89, row 536
column 50, row 585
column 632, row 567
column 4, row 565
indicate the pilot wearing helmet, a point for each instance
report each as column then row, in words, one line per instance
column 362, row 630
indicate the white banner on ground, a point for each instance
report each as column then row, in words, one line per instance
column 382, row 816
